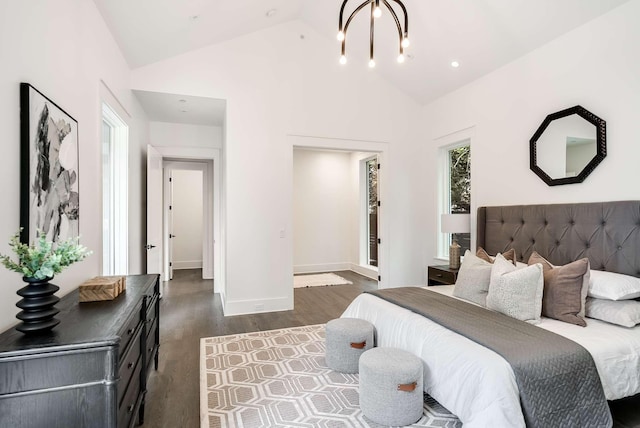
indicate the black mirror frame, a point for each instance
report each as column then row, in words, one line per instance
column 601, row 146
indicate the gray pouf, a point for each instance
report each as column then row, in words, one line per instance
column 347, row 339
column 391, row 386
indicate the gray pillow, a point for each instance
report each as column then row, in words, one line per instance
column 472, row 282
column 565, row 289
column 516, row 292
column 622, row 312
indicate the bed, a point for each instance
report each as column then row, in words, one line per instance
column 477, row 384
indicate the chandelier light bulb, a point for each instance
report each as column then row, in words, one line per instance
column 343, row 59
column 340, row 36
column 372, row 63
column 405, row 42
column 377, row 12
column 401, row 58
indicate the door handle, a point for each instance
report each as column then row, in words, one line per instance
column 172, row 236
column 149, row 246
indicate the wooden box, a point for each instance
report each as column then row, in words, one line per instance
column 102, row 288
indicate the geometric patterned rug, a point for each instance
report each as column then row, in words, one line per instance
column 278, row 378
column 318, row 280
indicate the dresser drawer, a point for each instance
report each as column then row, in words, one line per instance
column 151, row 342
column 152, row 312
column 128, row 364
column 441, row 276
column 130, row 403
column 128, row 332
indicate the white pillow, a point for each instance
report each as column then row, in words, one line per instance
column 472, row 283
column 516, row 292
column 625, row 313
column 613, row 286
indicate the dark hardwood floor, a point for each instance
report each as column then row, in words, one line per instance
column 190, row 311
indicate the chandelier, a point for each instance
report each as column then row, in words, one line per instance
column 376, row 12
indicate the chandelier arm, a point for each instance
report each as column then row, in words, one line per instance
column 395, row 18
column 344, row 3
column 371, row 32
column 358, row 9
column 406, row 17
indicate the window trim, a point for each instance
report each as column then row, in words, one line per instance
column 116, row 262
column 445, row 144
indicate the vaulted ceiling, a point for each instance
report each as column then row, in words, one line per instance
column 482, row 35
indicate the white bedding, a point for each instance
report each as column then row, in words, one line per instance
column 478, row 385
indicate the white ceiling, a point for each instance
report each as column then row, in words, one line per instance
column 482, row 35
column 173, row 108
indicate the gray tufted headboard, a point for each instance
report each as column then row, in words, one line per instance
column 608, row 233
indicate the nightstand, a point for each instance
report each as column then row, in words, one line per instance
column 441, row 275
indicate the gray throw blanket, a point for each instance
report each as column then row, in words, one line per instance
column 557, row 378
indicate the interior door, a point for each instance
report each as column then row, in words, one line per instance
column 169, row 194
column 154, row 211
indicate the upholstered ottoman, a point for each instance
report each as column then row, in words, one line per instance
column 391, row 386
column 347, row 339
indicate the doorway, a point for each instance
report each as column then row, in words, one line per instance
column 332, row 227
column 185, row 218
column 188, row 216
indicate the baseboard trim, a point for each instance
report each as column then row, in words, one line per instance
column 324, row 267
column 364, row 271
column 256, row 306
column 188, row 264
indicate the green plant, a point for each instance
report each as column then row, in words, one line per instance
column 41, row 260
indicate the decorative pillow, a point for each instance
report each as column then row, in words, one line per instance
column 509, row 255
column 472, row 282
column 625, row 312
column 516, row 292
column 565, row 289
column 613, row 286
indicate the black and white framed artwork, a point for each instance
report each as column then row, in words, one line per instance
column 49, row 199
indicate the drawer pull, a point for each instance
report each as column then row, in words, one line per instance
column 130, row 408
column 439, row 275
column 130, row 365
column 149, row 350
column 130, row 331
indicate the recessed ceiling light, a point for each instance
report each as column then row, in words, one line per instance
column 184, row 111
column 455, row 64
column 182, row 100
column 194, row 17
column 410, row 56
column 271, row 12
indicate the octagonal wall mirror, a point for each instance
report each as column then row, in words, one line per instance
column 568, row 146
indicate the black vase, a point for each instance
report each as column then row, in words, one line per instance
column 38, row 306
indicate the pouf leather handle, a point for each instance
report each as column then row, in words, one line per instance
column 359, row 345
column 407, row 387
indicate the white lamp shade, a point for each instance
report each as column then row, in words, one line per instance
column 455, row 223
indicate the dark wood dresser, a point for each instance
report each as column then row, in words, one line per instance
column 91, row 370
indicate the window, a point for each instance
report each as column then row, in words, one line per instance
column 456, row 191
column 115, row 143
column 372, row 211
column 369, row 210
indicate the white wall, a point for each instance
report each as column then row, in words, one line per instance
column 277, row 84
column 596, row 66
column 165, row 134
column 322, row 210
column 187, row 219
column 64, row 49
